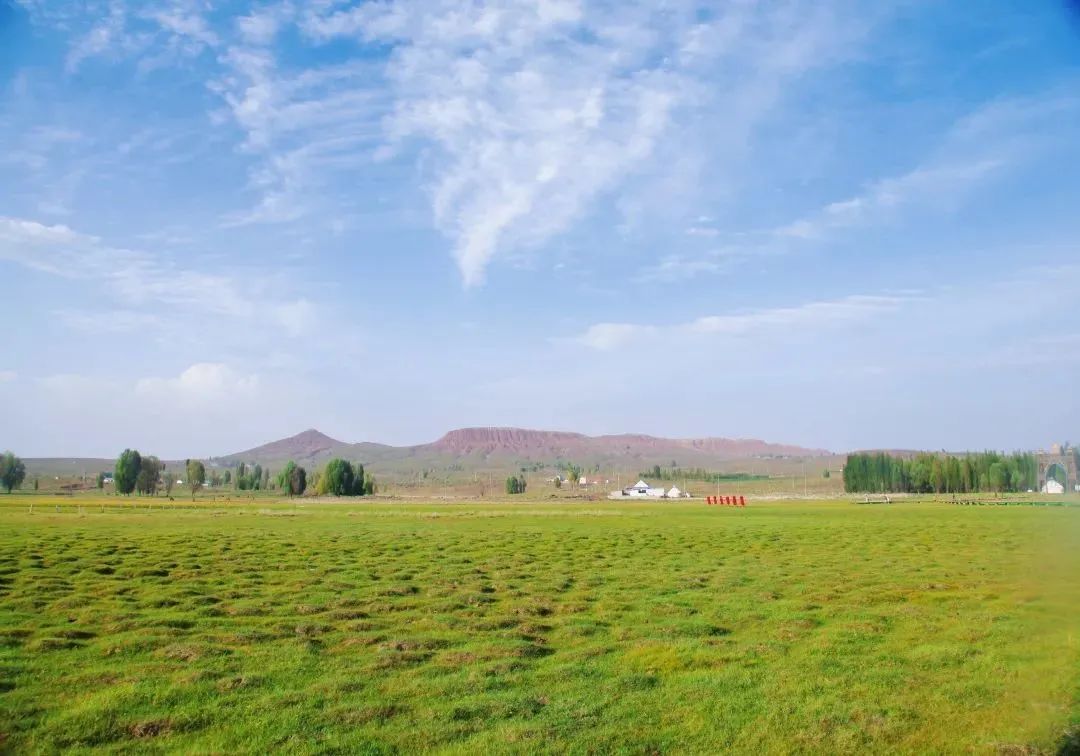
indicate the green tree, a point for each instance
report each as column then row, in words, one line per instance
column 35, row 483
column 937, row 475
column 196, row 475
column 126, row 473
column 573, row 473
column 369, row 485
column 338, row 477
column 285, row 476
column 998, row 476
column 228, row 477
column 292, row 479
column 359, row 480
column 297, row 481
column 12, row 471
column 100, row 480
column 146, row 481
column 168, row 479
column 920, row 476
column 826, row 474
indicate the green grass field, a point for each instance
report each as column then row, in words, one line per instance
column 507, row 627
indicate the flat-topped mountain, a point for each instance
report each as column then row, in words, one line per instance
column 532, row 444
column 499, row 447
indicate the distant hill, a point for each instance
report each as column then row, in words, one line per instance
column 475, row 448
column 307, row 445
column 534, row 444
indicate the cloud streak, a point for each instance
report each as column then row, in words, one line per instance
column 150, row 285
column 979, row 148
column 849, row 310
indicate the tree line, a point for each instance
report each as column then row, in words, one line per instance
column 941, row 473
column 253, row 478
column 134, row 472
column 342, row 478
column 676, row 473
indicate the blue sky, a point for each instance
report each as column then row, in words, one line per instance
column 841, row 224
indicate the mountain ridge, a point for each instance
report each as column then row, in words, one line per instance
column 495, row 443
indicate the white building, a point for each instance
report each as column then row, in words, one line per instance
column 641, row 490
column 674, row 493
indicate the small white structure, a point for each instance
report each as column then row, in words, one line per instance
column 1053, row 487
column 674, row 493
column 642, row 490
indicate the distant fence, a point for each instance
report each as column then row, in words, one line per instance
column 1014, row 503
column 726, row 501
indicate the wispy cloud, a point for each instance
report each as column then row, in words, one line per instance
column 157, row 34
column 305, row 128
column 852, row 309
column 537, row 111
column 680, row 268
column 925, row 186
column 979, row 148
column 524, row 116
column 143, row 280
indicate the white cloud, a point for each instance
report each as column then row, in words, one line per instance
column 536, row 111
column 929, row 187
column 106, row 37
column 152, row 286
column 261, row 26
column 525, row 115
column 159, row 34
column 979, row 148
column 202, row 383
column 608, row 336
column 849, row 310
column 305, row 128
column 680, row 268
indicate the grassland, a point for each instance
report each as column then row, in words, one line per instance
column 500, row 627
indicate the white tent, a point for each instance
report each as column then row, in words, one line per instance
column 674, row 493
column 1053, row 487
column 641, row 488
